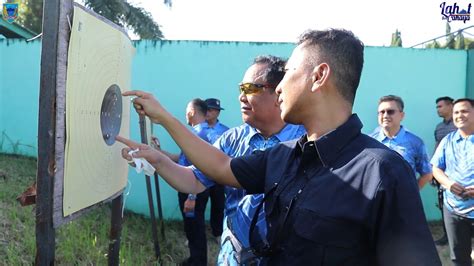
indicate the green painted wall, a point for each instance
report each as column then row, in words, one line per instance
column 19, row 90
column 177, row 71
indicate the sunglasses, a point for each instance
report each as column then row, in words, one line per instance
column 249, row 88
column 389, row 112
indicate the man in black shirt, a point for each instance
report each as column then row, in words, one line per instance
column 333, row 197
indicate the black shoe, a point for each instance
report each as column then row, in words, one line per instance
column 442, row 241
column 185, row 262
column 190, row 262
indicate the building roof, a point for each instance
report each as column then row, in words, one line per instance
column 14, row 30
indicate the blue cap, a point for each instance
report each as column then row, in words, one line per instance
column 213, row 103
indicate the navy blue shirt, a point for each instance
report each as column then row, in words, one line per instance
column 355, row 204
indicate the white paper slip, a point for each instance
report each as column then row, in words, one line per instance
column 142, row 164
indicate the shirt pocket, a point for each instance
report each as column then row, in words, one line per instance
column 336, row 242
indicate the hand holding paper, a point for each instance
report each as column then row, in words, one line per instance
column 141, row 164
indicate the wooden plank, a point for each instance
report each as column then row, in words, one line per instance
column 45, row 233
column 65, row 22
column 115, row 231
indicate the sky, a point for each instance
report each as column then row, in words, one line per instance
column 284, row 20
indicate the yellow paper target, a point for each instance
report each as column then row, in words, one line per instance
column 98, row 71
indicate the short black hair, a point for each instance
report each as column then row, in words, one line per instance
column 446, row 99
column 470, row 101
column 200, row 105
column 394, row 98
column 343, row 51
column 275, row 70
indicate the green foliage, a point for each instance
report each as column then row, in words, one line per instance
column 454, row 40
column 30, row 15
column 119, row 11
column 396, row 39
column 433, row 44
column 126, row 15
column 83, row 241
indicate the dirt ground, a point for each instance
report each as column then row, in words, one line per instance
column 443, row 251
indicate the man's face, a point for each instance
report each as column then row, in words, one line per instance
column 258, row 107
column 212, row 114
column 444, row 109
column 463, row 115
column 389, row 115
column 297, row 79
column 189, row 113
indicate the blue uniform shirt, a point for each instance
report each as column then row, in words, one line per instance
column 455, row 156
column 213, row 133
column 238, row 141
column 409, row 146
column 202, row 131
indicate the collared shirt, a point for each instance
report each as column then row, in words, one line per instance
column 443, row 129
column 410, row 147
column 346, row 200
column 238, row 141
column 201, row 130
column 216, row 131
column 455, row 156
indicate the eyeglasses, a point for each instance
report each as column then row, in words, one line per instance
column 389, row 112
column 249, row 88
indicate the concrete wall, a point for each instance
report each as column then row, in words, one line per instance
column 177, row 71
column 19, row 90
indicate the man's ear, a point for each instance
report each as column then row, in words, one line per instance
column 320, row 75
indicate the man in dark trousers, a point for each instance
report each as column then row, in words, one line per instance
column 193, row 206
column 453, row 167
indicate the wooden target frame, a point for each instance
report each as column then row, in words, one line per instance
column 57, row 17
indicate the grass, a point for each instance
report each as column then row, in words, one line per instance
column 83, row 241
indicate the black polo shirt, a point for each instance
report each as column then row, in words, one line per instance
column 353, row 201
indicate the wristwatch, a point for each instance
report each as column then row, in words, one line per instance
column 192, row 197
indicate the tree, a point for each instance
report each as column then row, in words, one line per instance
column 433, row 44
column 118, row 11
column 124, row 14
column 30, row 15
column 454, row 40
column 396, row 39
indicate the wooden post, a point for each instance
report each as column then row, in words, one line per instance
column 154, row 230
column 158, row 203
column 45, row 233
column 115, row 231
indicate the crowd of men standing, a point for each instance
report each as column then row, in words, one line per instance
column 452, row 164
column 303, row 185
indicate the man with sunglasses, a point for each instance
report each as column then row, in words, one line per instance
column 333, row 197
column 393, row 135
column 262, row 129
